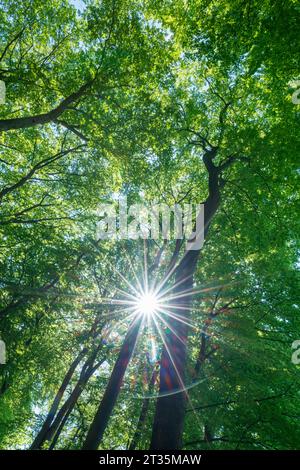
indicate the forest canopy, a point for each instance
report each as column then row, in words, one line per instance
column 140, row 342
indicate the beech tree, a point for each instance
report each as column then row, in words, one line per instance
column 162, row 102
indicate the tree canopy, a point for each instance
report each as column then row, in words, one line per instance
column 171, row 101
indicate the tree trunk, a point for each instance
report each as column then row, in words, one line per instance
column 111, row 393
column 143, row 413
column 53, row 419
column 169, row 413
column 58, row 425
column 40, row 438
column 88, row 370
column 170, row 406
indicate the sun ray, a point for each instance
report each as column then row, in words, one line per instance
column 159, row 308
column 145, row 267
column 167, row 324
column 169, row 354
column 178, row 318
column 133, row 270
column 197, row 291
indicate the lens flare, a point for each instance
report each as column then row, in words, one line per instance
column 147, row 304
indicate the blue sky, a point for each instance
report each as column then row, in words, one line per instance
column 79, row 4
